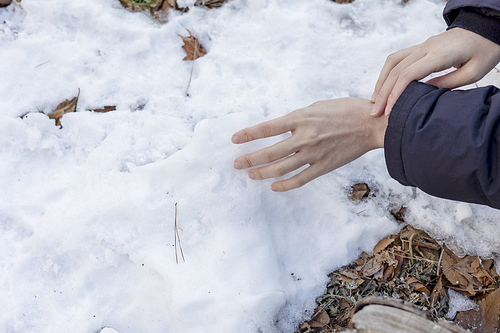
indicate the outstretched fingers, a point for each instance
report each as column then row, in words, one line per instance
column 264, row 130
column 266, row 155
column 279, row 168
column 299, row 180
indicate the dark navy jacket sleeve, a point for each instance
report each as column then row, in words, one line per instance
column 479, row 16
column 447, row 143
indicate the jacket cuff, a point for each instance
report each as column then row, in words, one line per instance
column 396, row 128
column 486, row 26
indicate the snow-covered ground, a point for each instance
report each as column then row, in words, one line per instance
column 87, row 211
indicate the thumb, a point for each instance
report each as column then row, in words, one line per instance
column 457, row 78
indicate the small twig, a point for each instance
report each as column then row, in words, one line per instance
column 439, row 262
column 401, row 254
column 177, row 238
column 42, row 64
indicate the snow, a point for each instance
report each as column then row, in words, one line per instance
column 87, row 211
column 459, row 302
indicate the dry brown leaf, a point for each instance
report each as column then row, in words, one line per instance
column 438, row 291
column 343, row 304
column 359, row 191
column 451, row 274
column 192, row 47
column 209, row 3
column 417, row 285
column 320, row 318
column 399, row 214
column 371, row 268
column 105, row 109
column 481, row 273
column 383, row 244
column 63, row 108
column 4, row 3
column 485, row 320
column 388, row 273
column 348, row 274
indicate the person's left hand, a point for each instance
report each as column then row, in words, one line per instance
column 325, row 135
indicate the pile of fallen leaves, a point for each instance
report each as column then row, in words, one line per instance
column 159, row 8
column 414, row 267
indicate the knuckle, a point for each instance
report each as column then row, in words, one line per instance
column 392, row 59
column 247, row 136
column 405, row 74
column 247, row 161
column 257, row 173
column 395, row 71
column 298, row 182
column 280, row 171
column 432, row 40
column 268, row 155
column 265, row 130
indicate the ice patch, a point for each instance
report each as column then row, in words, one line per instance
column 458, row 302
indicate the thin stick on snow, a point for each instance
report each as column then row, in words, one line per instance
column 177, row 238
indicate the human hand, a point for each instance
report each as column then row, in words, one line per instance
column 325, row 135
column 473, row 56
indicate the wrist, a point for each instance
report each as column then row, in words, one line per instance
column 379, row 130
column 375, row 126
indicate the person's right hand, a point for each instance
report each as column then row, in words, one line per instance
column 473, row 56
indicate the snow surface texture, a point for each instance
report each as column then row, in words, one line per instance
column 459, row 302
column 87, row 211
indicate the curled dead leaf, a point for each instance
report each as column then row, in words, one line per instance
column 63, row 108
column 382, row 244
column 359, row 191
column 399, row 214
column 192, row 47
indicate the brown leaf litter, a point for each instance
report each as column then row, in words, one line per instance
column 159, row 8
column 413, row 267
column 209, row 3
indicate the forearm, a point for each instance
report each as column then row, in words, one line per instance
column 445, row 142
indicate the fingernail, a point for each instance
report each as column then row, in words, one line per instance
column 274, row 188
column 237, row 165
column 373, row 97
column 235, row 139
column 251, row 175
column 374, row 110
